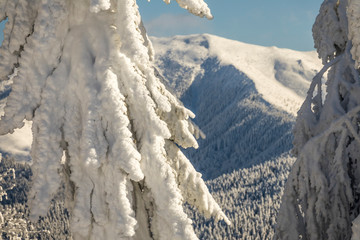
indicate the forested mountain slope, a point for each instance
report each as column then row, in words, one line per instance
column 245, row 97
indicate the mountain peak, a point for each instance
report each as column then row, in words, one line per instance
column 270, row 68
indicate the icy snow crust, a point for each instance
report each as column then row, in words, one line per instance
column 82, row 72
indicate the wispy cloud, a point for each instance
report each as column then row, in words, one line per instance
column 170, row 24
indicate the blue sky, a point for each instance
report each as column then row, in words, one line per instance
column 2, row 25
column 281, row 23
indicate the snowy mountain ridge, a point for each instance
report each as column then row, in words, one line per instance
column 273, row 70
column 245, row 97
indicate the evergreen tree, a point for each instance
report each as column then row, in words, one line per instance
column 103, row 123
column 322, row 195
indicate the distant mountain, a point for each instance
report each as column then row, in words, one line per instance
column 245, row 97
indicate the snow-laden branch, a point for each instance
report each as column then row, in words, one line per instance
column 329, row 30
column 353, row 12
column 310, row 110
column 196, row 7
column 82, row 72
column 321, row 198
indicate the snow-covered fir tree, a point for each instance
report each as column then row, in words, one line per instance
column 322, row 196
column 103, row 123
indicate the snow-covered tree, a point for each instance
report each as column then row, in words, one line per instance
column 322, row 196
column 103, row 123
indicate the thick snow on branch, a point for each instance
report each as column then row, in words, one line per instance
column 330, row 29
column 98, row 5
column 21, row 17
column 196, row 7
column 82, row 72
column 353, row 12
